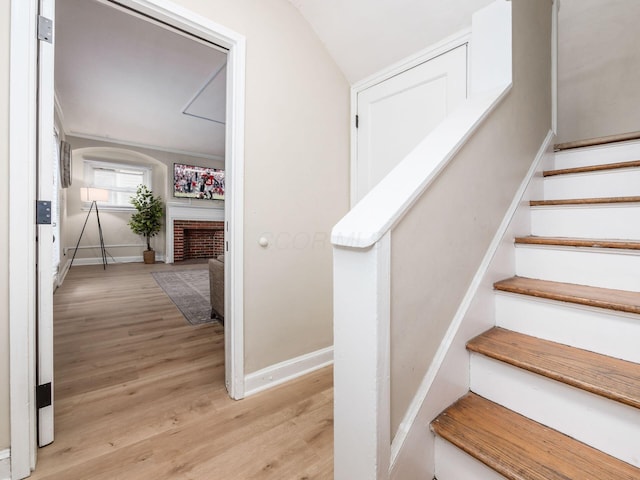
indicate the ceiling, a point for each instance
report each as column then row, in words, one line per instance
column 365, row 36
column 127, row 80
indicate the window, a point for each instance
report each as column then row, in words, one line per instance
column 120, row 180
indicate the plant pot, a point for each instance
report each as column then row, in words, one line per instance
column 149, row 256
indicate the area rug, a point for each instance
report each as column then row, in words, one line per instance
column 189, row 290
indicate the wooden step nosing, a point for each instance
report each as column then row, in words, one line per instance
column 589, row 308
column 599, row 168
column 589, row 243
column 597, row 141
column 621, row 307
column 458, row 426
column 553, row 375
column 633, row 252
column 585, row 201
column 603, row 375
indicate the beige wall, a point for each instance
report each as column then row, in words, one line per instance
column 4, row 222
column 598, row 68
column 296, row 177
column 439, row 245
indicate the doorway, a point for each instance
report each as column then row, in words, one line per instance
column 23, row 162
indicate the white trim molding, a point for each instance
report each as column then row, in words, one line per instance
column 288, row 370
column 126, row 143
column 22, row 181
column 113, row 260
column 204, row 28
column 22, row 170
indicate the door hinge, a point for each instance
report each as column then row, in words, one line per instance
column 43, row 395
column 45, row 29
column 226, row 246
column 357, row 121
column 43, row 212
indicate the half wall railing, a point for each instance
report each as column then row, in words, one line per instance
column 362, row 259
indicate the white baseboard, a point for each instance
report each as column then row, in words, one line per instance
column 62, row 273
column 112, row 260
column 5, row 464
column 288, row 370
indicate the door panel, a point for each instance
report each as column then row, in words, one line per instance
column 46, row 145
column 396, row 114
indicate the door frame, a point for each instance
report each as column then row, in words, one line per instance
column 22, row 229
column 453, row 41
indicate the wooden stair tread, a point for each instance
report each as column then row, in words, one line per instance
column 609, row 377
column 590, row 142
column 592, row 168
column 519, row 448
column 619, row 300
column 579, row 242
column 584, row 201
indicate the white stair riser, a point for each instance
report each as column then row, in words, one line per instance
column 454, row 464
column 595, row 329
column 606, row 425
column 606, row 268
column 623, row 182
column 613, row 222
column 597, row 155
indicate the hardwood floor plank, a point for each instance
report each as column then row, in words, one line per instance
column 140, row 394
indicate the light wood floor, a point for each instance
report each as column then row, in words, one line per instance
column 140, row 394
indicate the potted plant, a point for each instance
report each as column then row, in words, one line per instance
column 148, row 218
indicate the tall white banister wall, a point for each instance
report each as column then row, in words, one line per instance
column 362, row 259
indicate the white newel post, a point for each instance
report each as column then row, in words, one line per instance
column 361, row 358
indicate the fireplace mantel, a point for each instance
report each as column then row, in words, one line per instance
column 187, row 212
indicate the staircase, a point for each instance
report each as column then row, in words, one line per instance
column 555, row 385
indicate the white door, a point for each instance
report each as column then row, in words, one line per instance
column 46, row 145
column 396, row 114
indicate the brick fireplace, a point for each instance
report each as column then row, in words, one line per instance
column 197, row 239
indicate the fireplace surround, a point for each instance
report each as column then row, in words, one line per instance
column 194, row 232
column 197, row 239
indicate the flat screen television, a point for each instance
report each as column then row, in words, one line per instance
column 190, row 181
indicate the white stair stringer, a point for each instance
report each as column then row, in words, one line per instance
column 598, row 267
column 607, row 425
column 605, row 221
column 621, row 182
column 599, row 330
column 603, row 154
